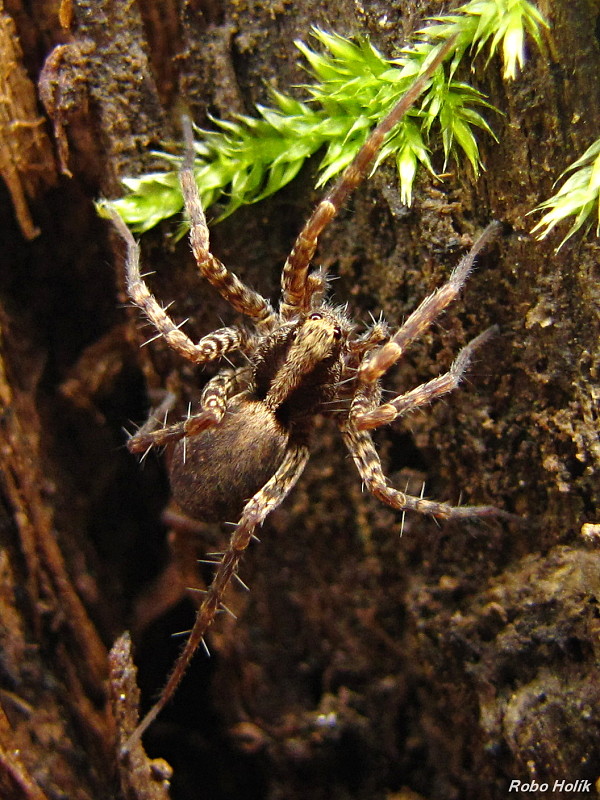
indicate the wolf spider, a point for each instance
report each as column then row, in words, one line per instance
column 241, row 452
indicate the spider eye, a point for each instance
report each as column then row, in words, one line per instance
column 337, row 332
column 316, row 315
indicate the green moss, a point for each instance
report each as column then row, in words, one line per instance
column 579, row 197
column 353, row 87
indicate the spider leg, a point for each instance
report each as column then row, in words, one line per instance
column 367, row 419
column 153, row 426
column 213, row 403
column 295, row 286
column 208, row 348
column 255, row 511
column 362, row 449
column 381, row 360
column 230, row 287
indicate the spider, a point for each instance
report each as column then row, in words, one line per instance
column 241, row 452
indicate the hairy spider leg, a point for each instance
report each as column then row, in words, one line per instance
column 208, row 348
column 230, row 287
column 362, row 449
column 295, row 285
column 255, row 511
column 213, row 403
column 378, row 363
column 364, row 418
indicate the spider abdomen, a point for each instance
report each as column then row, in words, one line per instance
column 214, row 473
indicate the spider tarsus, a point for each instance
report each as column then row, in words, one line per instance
column 188, row 137
column 463, row 360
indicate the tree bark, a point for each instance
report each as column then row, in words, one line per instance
column 441, row 664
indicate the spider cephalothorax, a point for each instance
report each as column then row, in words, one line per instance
column 243, row 449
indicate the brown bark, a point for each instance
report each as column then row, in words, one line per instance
column 441, row 664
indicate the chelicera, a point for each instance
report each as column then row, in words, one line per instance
column 240, row 452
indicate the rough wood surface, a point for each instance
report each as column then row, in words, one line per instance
column 442, row 664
